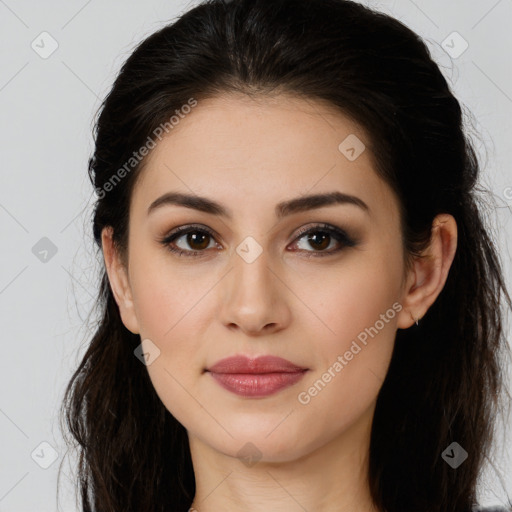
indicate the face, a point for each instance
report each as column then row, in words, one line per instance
column 319, row 284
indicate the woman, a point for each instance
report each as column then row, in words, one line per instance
column 300, row 301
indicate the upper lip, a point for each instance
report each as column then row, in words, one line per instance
column 261, row 364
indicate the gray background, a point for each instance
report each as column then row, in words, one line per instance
column 47, row 107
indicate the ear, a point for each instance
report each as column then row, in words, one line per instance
column 118, row 277
column 428, row 276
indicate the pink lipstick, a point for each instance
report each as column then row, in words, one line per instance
column 259, row 377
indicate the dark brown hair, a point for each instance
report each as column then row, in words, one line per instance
column 445, row 379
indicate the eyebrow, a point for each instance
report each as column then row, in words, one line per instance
column 299, row 204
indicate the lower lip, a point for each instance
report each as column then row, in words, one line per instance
column 257, row 384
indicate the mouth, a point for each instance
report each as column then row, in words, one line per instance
column 259, row 377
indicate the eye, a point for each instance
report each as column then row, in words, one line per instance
column 321, row 236
column 193, row 236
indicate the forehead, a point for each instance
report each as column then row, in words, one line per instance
column 251, row 153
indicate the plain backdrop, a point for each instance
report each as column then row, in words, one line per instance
column 49, row 266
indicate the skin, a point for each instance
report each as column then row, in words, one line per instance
column 250, row 154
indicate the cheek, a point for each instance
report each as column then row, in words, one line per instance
column 356, row 310
column 167, row 305
column 169, row 316
column 164, row 296
column 167, row 319
column 353, row 363
column 345, row 300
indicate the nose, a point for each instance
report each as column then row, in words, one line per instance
column 254, row 297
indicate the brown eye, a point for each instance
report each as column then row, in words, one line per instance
column 319, row 238
column 196, row 240
column 188, row 241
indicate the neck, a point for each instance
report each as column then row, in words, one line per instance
column 331, row 477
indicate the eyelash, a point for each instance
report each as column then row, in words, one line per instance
column 338, row 234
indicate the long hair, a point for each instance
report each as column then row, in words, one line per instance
column 444, row 382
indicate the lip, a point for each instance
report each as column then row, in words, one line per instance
column 261, row 364
column 259, row 377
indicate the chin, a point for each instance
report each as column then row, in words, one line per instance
column 256, row 445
